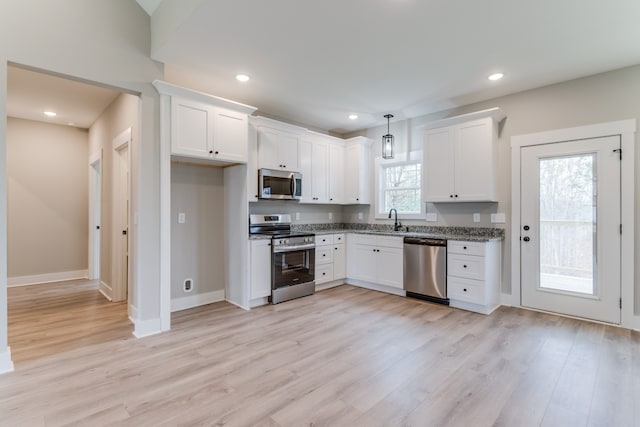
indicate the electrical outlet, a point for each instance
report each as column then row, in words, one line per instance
column 187, row 285
column 182, row 218
column 297, row 216
column 360, row 216
column 498, row 218
column 476, row 217
column 330, row 215
column 432, row 217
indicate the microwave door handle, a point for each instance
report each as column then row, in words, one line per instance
column 293, row 185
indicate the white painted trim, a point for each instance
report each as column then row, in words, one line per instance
column 106, row 290
column 6, row 365
column 38, row 279
column 376, row 287
column 329, row 285
column 480, row 309
column 190, row 301
column 496, row 113
column 258, row 302
column 95, row 157
column 133, row 313
column 238, row 305
column 165, row 88
column 146, row 328
column 626, row 129
column 122, row 140
column 165, row 212
column 119, row 143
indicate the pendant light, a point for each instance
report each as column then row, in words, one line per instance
column 387, row 141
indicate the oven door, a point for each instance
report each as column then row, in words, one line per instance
column 292, row 268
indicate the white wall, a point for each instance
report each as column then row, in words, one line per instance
column 106, row 42
column 596, row 99
column 47, row 198
column 197, row 245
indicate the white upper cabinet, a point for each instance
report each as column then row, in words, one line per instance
column 278, row 149
column 314, row 166
column 336, row 173
column 357, row 171
column 460, row 158
column 203, row 127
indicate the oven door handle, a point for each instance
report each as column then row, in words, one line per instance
column 292, row 248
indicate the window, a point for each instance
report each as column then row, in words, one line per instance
column 399, row 185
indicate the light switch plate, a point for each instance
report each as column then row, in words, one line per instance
column 498, row 218
column 182, row 218
column 432, row 216
column 476, row 217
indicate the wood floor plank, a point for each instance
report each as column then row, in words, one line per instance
column 345, row 356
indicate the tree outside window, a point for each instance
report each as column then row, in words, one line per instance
column 400, row 188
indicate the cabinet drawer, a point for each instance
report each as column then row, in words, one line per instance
column 468, row 248
column 468, row 290
column 324, row 273
column 391, row 242
column 364, row 239
column 324, row 239
column 469, row 266
column 338, row 238
column 324, row 254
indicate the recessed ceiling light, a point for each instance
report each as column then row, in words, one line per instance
column 353, row 116
column 50, row 114
column 496, row 76
column 242, row 78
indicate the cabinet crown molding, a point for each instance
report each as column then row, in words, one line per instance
column 496, row 113
column 165, row 88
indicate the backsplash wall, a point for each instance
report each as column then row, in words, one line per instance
column 309, row 213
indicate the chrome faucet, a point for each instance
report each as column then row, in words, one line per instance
column 396, row 225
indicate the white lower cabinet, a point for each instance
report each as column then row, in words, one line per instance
column 260, row 268
column 376, row 260
column 330, row 258
column 473, row 275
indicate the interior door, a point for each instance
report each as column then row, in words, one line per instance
column 570, row 237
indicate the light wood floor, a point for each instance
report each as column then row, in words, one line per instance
column 343, row 357
column 54, row 318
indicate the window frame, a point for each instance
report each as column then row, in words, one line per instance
column 402, row 159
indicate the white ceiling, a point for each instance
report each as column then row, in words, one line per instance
column 31, row 93
column 314, row 62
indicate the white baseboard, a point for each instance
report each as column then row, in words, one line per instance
column 105, row 290
column 376, row 287
column 329, row 285
column 47, row 278
column 145, row 328
column 509, row 300
column 238, row 305
column 196, row 300
column 6, row 365
column 133, row 313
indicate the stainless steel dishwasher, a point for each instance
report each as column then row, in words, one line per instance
column 425, row 269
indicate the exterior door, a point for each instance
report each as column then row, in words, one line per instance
column 570, row 237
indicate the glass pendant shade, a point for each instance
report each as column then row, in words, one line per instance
column 387, row 141
column 387, row 146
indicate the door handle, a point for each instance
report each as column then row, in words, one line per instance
column 526, row 238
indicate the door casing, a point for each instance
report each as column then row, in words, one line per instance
column 626, row 129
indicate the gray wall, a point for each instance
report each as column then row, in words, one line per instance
column 115, row 119
column 601, row 98
column 47, row 172
column 197, row 246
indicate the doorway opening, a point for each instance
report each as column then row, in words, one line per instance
column 60, row 173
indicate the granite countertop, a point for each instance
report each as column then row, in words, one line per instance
column 473, row 235
column 477, row 234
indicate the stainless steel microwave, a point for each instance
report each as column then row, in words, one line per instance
column 277, row 184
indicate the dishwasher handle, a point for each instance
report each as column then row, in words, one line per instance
column 424, row 241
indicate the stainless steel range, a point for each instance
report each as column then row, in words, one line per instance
column 292, row 257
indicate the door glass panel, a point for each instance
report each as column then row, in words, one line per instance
column 568, row 223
